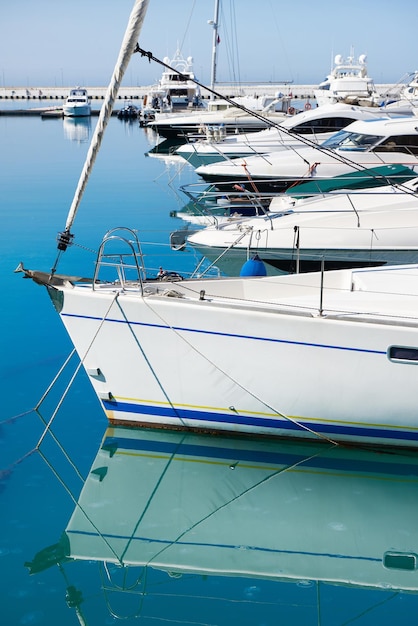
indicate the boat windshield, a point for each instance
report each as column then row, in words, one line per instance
column 345, row 140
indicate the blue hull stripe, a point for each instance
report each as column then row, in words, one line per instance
column 337, row 461
column 366, row 432
column 233, row 335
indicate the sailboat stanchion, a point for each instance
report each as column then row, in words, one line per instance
column 321, row 297
column 297, row 232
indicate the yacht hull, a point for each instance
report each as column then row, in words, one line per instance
column 74, row 111
column 224, row 356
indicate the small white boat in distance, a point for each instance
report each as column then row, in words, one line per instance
column 77, row 104
column 348, row 82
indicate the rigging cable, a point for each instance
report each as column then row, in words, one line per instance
column 165, row 394
column 63, row 396
column 187, row 25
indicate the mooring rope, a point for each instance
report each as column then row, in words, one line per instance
column 67, row 389
column 60, row 371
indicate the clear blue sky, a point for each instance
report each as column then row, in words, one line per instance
column 57, row 42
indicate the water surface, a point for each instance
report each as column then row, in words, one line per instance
column 192, row 530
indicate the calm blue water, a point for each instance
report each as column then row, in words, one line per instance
column 320, row 531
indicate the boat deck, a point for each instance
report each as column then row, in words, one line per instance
column 358, row 294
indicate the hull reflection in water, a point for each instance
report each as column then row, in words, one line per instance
column 77, row 128
column 302, row 516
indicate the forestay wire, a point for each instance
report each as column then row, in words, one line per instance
column 129, row 43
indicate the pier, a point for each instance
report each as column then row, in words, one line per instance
column 53, row 97
column 138, row 92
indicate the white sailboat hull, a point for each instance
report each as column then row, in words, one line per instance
column 255, row 355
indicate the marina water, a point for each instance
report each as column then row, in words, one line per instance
column 42, row 475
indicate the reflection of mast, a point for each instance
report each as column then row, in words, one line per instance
column 57, row 554
column 214, row 23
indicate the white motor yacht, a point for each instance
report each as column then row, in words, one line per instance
column 349, row 82
column 316, row 124
column 223, row 113
column 360, row 146
column 77, row 104
column 372, row 227
column 175, row 89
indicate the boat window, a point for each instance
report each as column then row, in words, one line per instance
column 403, row 353
column 323, row 125
column 345, row 140
column 178, row 92
column 398, row 560
column 399, row 143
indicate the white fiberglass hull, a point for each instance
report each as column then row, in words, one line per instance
column 314, row 125
column 206, row 152
column 283, row 167
column 241, row 361
column 359, row 147
column 173, row 125
column 335, row 229
column 279, row 261
column 76, row 111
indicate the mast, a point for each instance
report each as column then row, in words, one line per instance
column 129, row 42
column 214, row 24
